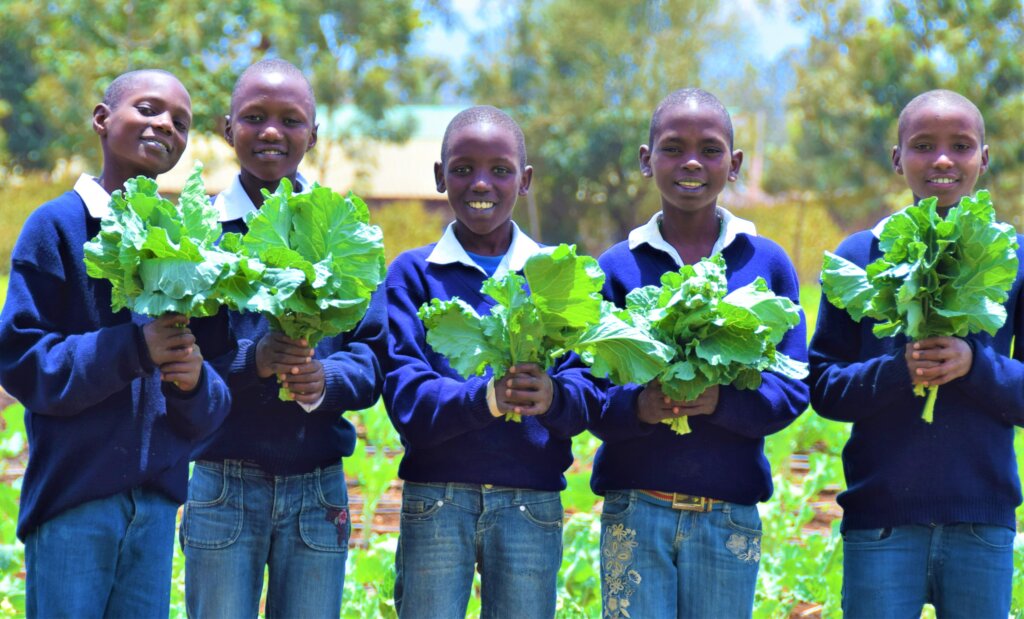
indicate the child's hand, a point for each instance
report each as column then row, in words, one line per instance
column 276, row 353
column 168, row 339
column 525, row 390
column 653, row 405
column 937, row 360
column 307, row 384
column 184, row 374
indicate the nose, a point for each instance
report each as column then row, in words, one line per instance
column 481, row 184
column 943, row 162
column 270, row 132
column 691, row 163
column 163, row 122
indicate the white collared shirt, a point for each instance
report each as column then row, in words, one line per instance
column 650, row 233
column 233, row 203
column 96, row 198
column 450, row 251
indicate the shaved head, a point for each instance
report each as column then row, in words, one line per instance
column 690, row 96
column 939, row 97
column 484, row 115
column 274, row 65
column 124, row 83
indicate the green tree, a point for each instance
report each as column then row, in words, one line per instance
column 582, row 79
column 354, row 51
column 860, row 69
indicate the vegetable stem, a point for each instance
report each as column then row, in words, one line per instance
column 929, row 404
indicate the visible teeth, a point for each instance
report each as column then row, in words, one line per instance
column 271, row 151
column 944, row 181
column 690, row 184
column 481, row 205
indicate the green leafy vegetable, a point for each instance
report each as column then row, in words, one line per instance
column 160, row 257
column 937, row 276
column 554, row 308
column 717, row 337
column 310, row 262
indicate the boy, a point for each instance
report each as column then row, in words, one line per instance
column 928, row 514
column 108, row 441
column 480, row 492
column 680, row 531
column 268, row 490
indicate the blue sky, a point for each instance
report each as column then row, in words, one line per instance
column 772, row 31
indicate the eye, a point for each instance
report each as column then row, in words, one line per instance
column 670, row 149
column 502, row 171
column 921, row 147
column 181, row 126
column 292, row 122
column 962, row 147
column 712, row 150
column 460, row 170
column 146, row 109
column 253, row 118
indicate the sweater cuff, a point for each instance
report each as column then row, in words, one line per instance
column 476, row 398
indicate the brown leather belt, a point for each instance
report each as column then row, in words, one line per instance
column 684, row 502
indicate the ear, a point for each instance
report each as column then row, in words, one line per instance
column 525, row 180
column 645, row 161
column 439, row 177
column 312, row 137
column 734, row 165
column 100, row 116
column 897, row 164
column 228, row 136
column 984, row 159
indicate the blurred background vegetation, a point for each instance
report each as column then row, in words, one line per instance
column 816, row 122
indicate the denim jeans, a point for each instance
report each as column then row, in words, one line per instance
column 512, row 535
column 659, row 562
column 964, row 570
column 239, row 519
column 106, row 558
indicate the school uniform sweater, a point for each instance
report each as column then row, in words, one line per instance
column 288, row 438
column 723, row 457
column 98, row 419
column 444, row 421
column 899, row 469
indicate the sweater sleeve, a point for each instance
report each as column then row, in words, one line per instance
column 779, row 400
column 426, row 407
column 196, row 414
column 841, row 382
column 352, row 374
column 50, row 371
column 574, row 394
column 616, row 419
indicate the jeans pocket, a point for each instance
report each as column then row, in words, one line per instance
column 546, row 514
column 617, row 506
column 867, row 536
column 212, row 518
column 744, row 518
column 324, row 522
column 421, row 503
column 993, row 536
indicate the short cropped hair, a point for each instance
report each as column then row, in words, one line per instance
column 484, row 114
column 685, row 95
column 274, row 65
column 124, row 83
column 947, row 97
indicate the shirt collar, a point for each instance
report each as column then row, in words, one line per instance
column 650, row 233
column 450, row 251
column 96, row 198
column 233, row 203
column 877, row 230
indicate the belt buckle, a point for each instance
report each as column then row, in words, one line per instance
column 690, row 503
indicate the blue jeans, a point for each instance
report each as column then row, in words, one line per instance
column 964, row 570
column 658, row 562
column 106, row 558
column 512, row 535
column 239, row 519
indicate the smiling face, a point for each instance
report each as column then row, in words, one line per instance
column 271, row 127
column 146, row 130
column 690, row 158
column 941, row 152
column 483, row 177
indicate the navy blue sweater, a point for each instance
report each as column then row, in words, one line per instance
column 98, row 419
column 280, row 436
column 899, row 469
column 723, row 457
column 444, row 422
